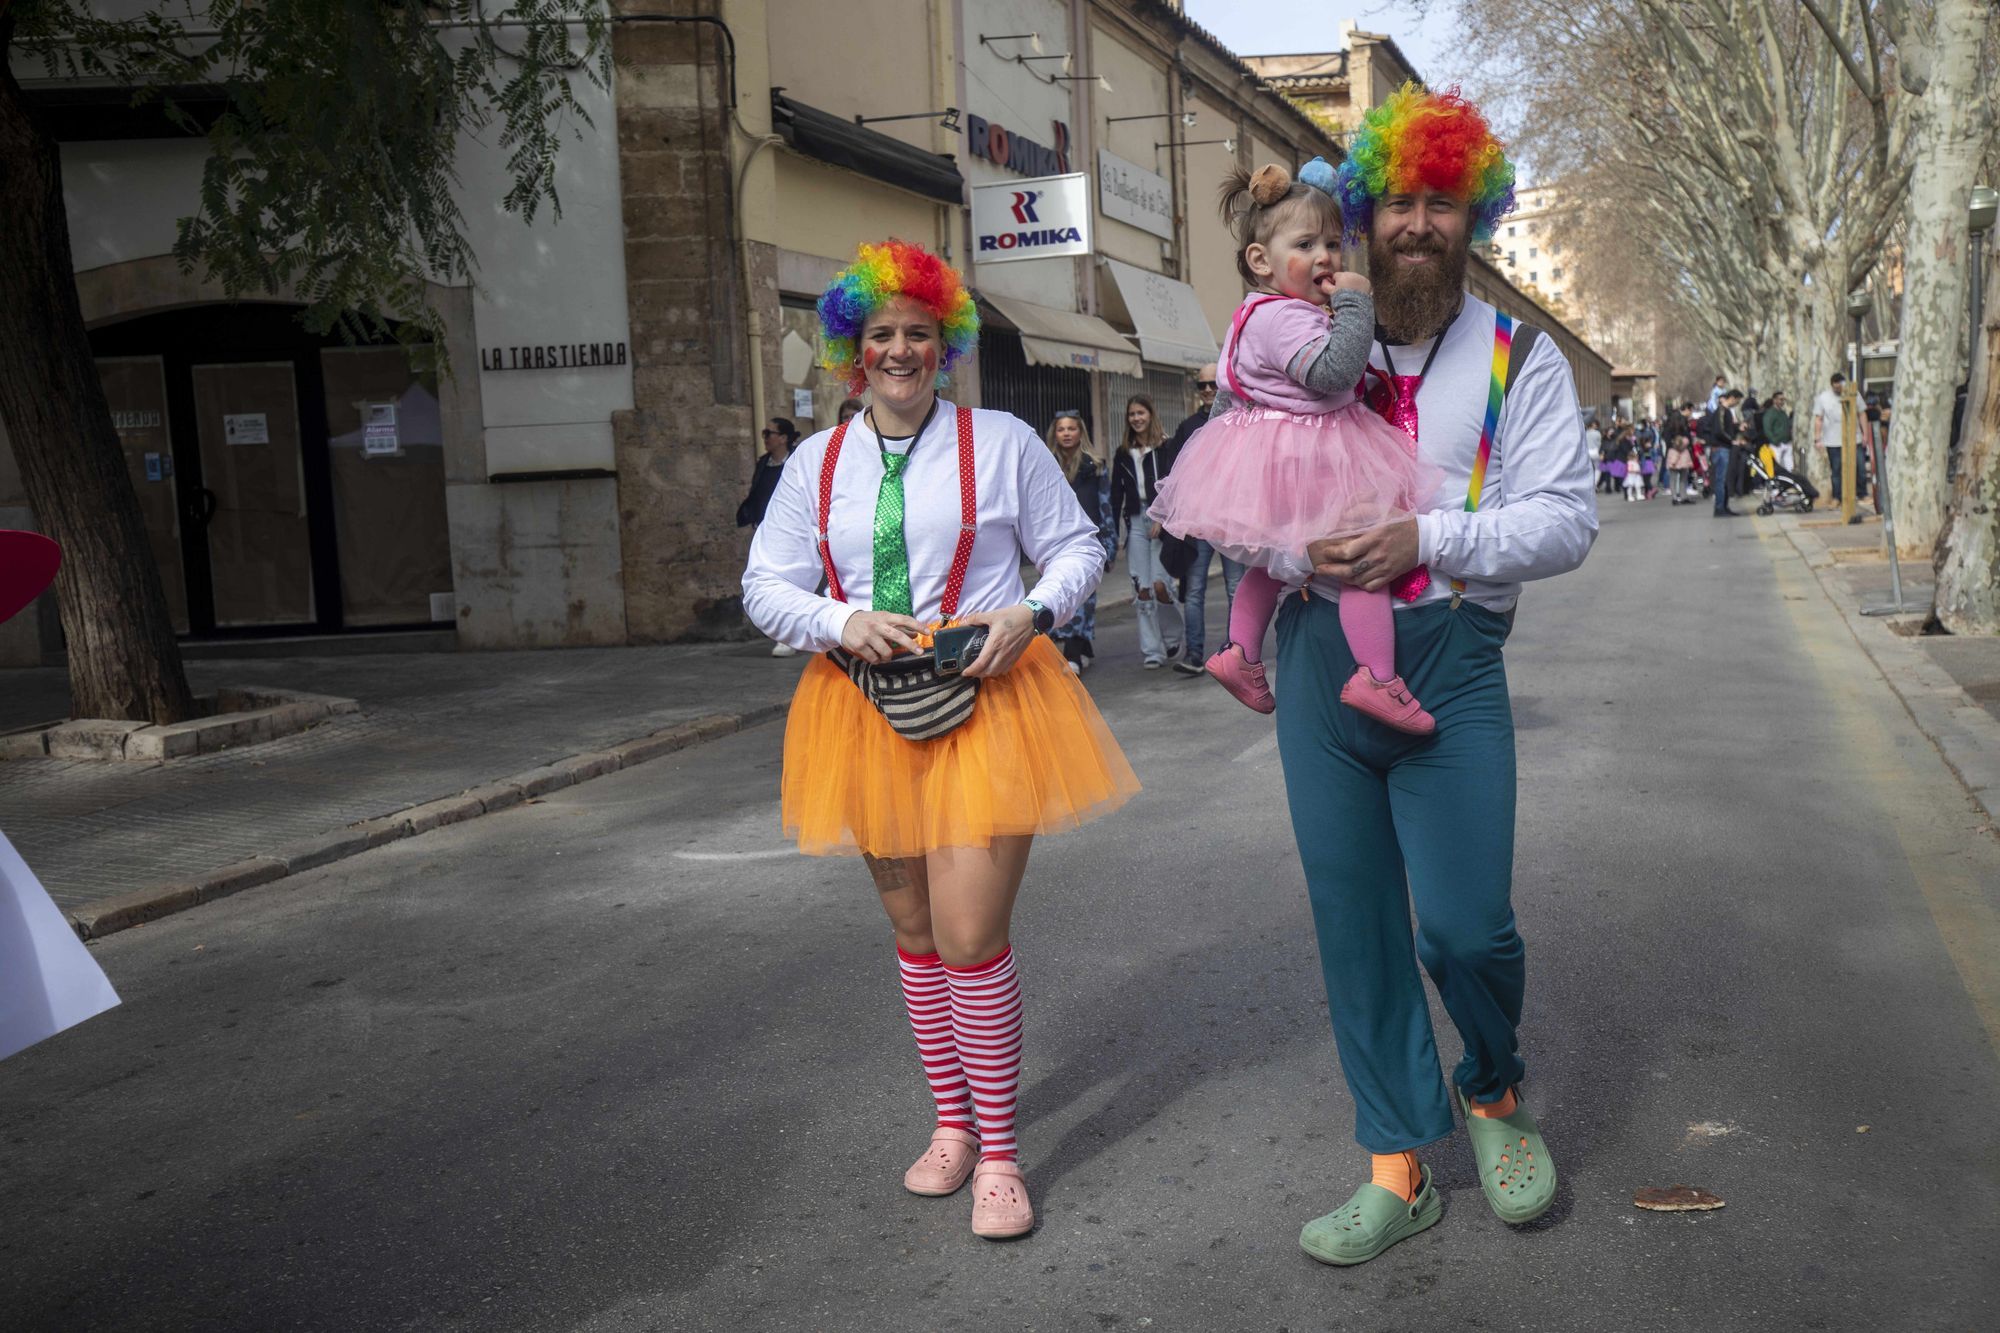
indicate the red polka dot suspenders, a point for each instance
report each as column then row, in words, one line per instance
column 968, row 515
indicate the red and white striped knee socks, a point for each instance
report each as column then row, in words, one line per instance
column 986, row 1024
column 927, row 996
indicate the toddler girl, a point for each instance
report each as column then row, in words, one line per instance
column 1290, row 455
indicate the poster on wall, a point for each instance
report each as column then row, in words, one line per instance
column 378, row 430
column 246, row 428
column 1047, row 217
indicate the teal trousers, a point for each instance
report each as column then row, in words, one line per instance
column 1385, row 820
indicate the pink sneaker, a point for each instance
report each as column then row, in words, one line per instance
column 1387, row 701
column 1242, row 678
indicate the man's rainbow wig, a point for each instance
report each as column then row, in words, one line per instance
column 1426, row 140
column 878, row 275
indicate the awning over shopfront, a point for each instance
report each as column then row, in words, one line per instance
column 1051, row 337
column 1172, row 329
column 842, row 143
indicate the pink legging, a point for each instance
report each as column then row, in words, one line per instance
column 1367, row 618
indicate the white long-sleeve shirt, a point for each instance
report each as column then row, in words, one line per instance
column 1025, row 506
column 1537, row 514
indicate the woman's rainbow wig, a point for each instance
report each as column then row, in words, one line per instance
column 878, row 275
column 1426, row 140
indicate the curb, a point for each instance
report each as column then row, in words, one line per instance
column 107, row 916
column 1967, row 737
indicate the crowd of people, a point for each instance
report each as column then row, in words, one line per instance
column 1731, row 447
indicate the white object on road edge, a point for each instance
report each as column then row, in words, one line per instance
column 48, row 980
column 771, row 855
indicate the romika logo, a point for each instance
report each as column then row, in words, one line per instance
column 1003, row 148
column 1029, row 240
column 1024, row 205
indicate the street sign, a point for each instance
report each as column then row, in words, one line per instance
column 1044, row 218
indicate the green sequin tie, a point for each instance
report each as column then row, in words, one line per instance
column 892, row 558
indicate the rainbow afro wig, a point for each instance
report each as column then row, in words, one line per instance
column 878, row 275
column 1426, row 140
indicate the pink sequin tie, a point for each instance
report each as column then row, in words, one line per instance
column 1395, row 398
column 1402, row 411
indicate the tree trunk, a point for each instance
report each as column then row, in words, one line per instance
column 1945, row 140
column 1968, row 558
column 123, row 660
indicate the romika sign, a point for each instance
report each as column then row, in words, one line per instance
column 1046, row 218
column 1004, row 148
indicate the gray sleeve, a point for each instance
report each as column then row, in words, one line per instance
column 1335, row 362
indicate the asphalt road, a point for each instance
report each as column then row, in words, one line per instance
column 617, row 1061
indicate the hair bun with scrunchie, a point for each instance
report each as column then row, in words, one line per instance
column 1269, row 184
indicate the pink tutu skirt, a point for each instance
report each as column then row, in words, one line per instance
column 1258, row 480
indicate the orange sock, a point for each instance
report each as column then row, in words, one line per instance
column 1398, row 1173
column 1497, row 1110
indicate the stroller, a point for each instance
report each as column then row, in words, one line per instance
column 1783, row 489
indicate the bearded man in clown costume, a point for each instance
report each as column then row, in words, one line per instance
column 1385, row 819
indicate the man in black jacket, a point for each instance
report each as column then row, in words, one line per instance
column 1718, row 431
column 1194, row 583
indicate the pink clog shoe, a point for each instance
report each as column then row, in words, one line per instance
column 944, row 1165
column 1000, row 1207
column 1242, row 678
column 1387, row 701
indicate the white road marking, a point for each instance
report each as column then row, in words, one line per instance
column 1263, row 749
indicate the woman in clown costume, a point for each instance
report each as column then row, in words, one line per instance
column 914, row 514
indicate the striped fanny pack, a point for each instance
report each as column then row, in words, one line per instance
column 918, row 703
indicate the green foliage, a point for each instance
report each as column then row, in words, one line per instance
column 333, row 166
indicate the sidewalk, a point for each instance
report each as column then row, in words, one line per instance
column 1950, row 685
column 431, row 725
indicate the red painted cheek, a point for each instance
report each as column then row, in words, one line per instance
column 870, row 358
column 930, row 360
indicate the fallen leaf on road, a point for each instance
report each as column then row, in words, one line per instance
column 1861, row 1129
column 1675, row 1199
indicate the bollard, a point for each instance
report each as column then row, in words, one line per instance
column 1880, row 479
column 1850, row 441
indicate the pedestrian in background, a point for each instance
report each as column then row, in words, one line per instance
column 1719, row 430
column 849, row 408
column 779, row 435
column 922, row 513
column 1680, row 458
column 1827, row 429
column 1593, row 444
column 1135, row 479
column 1778, row 430
column 1194, row 588
column 1715, row 394
column 1069, row 439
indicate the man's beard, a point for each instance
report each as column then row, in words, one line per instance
column 1414, row 301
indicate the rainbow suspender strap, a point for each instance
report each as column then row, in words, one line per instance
column 1496, row 393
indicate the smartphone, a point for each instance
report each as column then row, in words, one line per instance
column 958, row 647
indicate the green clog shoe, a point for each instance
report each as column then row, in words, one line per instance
column 1515, row 1168
column 1369, row 1223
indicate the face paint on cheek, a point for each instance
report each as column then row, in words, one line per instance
column 871, row 357
column 930, row 360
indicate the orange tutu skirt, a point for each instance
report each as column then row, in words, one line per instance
column 1035, row 757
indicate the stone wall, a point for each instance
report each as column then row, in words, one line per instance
column 684, row 449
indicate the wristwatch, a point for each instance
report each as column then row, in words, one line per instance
column 1045, row 619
